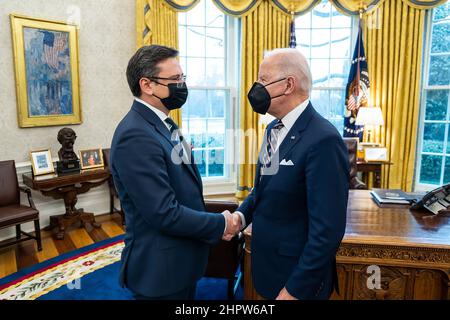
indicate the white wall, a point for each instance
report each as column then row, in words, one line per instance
column 106, row 42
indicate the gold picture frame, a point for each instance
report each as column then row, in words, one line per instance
column 46, row 72
column 41, row 162
column 91, row 158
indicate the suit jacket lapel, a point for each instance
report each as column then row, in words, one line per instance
column 153, row 119
column 292, row 138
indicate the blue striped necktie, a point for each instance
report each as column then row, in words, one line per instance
column 272, row 140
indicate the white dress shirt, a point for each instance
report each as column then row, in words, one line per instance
column 288, row 122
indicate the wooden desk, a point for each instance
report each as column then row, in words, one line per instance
column 68, row 187
column 412, row 249
column 375, row 168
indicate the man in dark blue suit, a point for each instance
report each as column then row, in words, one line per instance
column 299, row 201
column 168, row 232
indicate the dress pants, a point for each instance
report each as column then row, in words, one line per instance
column 185, row 294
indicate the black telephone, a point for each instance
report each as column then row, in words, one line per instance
column 435, row 200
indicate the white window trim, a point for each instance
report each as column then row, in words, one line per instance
column 227, row 184
column 424, row 187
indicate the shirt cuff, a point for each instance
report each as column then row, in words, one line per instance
column 225, row 223
column 244, row 224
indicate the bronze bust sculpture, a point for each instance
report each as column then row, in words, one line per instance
column 66, row 137
column 68, row 159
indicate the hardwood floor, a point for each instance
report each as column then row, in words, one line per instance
column 25, row 254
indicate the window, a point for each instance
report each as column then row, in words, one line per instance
column 206, row 37
column 433, row 167
column 325, row 37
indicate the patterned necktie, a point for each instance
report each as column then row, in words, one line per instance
column 272, row 140
column 175, row 133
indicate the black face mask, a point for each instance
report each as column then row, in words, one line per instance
column 178, row 94
column 260, row 98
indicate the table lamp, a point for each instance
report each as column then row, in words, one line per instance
column 369, row 117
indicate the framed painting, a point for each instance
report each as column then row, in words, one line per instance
column 46, row 70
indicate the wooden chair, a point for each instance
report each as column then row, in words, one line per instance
column 112, row 188
column 12, row 213
column 225, row 257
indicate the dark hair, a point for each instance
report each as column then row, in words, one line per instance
column 143, row 64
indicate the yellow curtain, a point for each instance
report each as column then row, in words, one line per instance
column 393, row 38
column 157, row 23
column 265, row 28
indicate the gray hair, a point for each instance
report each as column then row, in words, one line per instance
column 293, row 63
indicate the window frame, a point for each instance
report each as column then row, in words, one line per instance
column 353, row 36
column 226, row 184
column 425, row 87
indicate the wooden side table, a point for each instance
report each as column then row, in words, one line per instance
column 375, row 168
column 68, row 187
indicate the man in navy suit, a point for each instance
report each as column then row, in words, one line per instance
column 299, row 201
column 168, row 232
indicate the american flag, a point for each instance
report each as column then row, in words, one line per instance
column 54, row 44
column 293, row 39
column 356, row 92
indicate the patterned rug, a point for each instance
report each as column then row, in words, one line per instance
column 89, row 273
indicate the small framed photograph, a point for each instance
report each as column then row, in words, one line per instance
column 41, row 162
column 91, row 158
column 375, row 154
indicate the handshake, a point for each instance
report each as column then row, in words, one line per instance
column 233, row 225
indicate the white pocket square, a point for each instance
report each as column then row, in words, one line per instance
column 286, row 163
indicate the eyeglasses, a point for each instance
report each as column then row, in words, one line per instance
column 179, row 77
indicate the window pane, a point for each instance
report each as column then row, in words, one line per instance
column 321, row 15
column 320, row 43
column 303, row 37
column 336, row 112
column 197, row 133
column 216, row 163
column 339, row 69
column 215, row 72
column 321, row 101
column 303, row 21
column 195, row 41
column 340, row 43
column 439, row 70
column 216, row 133
column 196, row 16
column 339, row 20
column 216, row 101
column 215, row 42
column 182, row 40
column 440, row 42
column 447, row 170
column 214, row 17
column 196, row 69
column 433, row 137
column 199, row 160
column 442, row 12
column 436, row 104
column 198, row 107
column 430, row 171
column 181, row 18
column 320, row 71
